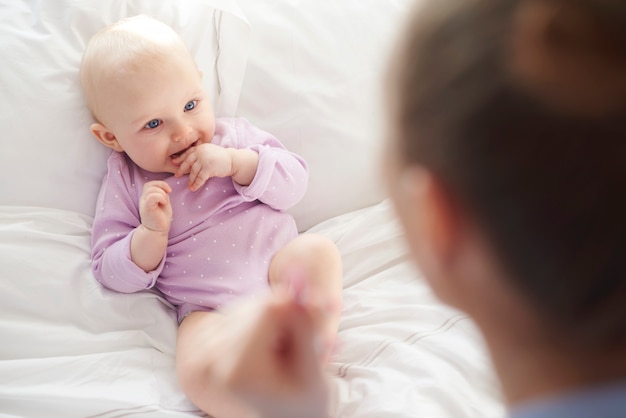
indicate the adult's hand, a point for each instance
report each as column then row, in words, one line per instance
column 275, row 366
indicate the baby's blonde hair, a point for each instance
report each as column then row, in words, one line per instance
column 122, row 48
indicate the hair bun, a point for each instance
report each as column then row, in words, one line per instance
column 572, row 53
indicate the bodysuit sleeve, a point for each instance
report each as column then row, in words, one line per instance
column 282, row 176
column 115, row 221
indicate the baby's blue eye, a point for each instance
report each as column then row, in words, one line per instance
column 154, row 123
column 190, row 105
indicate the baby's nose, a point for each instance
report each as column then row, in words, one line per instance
column 181, row 133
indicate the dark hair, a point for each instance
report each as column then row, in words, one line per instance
column 519, row 108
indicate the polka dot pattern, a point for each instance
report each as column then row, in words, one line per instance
column 222, row 237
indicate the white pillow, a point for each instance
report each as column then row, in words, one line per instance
column 314, row 80
column 49, row 157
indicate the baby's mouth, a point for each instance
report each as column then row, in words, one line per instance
column 181, row 152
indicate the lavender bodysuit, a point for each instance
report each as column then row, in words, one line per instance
column 222, row 237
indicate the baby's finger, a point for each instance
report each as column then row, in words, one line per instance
column 156, row 198
column 158, row 185
column 197, row 176
column 187, row 163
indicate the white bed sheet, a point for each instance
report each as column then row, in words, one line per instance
column 73, row 349
column 311, row 73
column 403, row 353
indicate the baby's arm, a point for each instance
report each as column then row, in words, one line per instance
column 245, row 164
column 260, row 166
column 119, row 236
column 280, row 180
column 281, row 177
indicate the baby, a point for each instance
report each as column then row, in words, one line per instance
column 193, row 206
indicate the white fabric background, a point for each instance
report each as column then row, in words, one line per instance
column 49, row 157
column 311, row 73
column 315, row 79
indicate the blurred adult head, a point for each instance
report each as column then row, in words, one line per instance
column 507, row 166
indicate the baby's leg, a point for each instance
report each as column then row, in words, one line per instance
column 312, row 264
column 198, row 348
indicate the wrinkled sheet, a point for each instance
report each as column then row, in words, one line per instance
column 69, row 348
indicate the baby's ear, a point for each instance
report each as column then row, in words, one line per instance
column 105, row 136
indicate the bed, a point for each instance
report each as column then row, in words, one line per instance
column 311, row 73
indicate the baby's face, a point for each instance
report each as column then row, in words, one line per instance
column 157, row 111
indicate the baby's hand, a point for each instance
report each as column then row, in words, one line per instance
column 155, row 208
column 203, row 162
